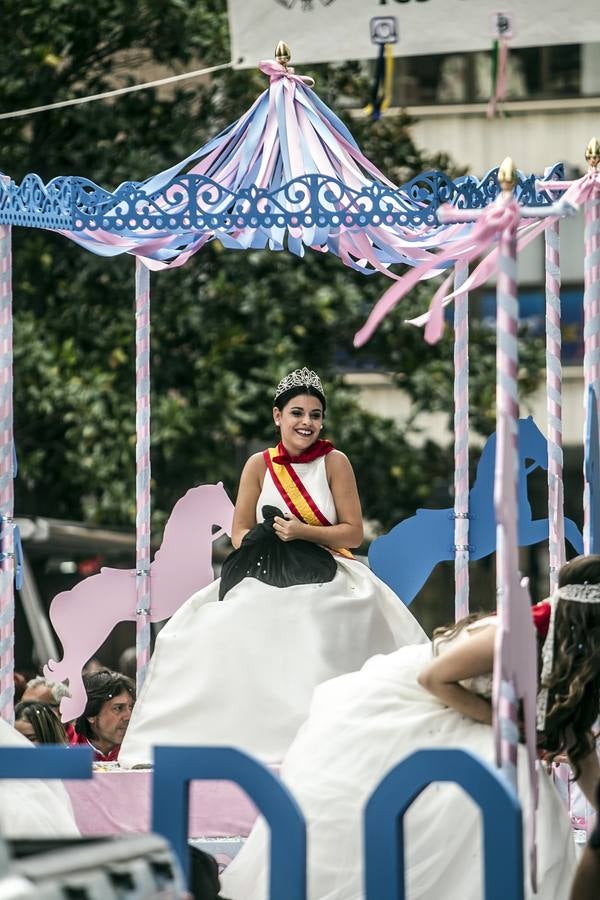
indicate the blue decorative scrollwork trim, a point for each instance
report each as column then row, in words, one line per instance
column 35, row 204
column 196, row 204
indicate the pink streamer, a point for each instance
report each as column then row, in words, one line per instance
column 491, row 221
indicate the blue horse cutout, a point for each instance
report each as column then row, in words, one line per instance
column 405, row 557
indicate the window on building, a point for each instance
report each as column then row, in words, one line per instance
column 566, row 70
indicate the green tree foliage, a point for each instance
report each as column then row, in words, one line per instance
column 225, row 326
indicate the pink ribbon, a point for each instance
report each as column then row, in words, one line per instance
column 527, row 232
column 585, row 188
column 493, row 219
column 275, row 71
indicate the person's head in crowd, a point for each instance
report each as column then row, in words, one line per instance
column 42, row 690
column 38, row 723
column 110, row 699
column 128, row 662
column 20, row 685
column 93, row 665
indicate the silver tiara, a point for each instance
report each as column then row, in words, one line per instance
column 299, row 378
column 580, row 593
column 576, row 593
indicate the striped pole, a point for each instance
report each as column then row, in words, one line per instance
column 7, row 567
column 461, row 446
column 507, row 415
column 591, row 331
column 142, row 461
column 556, row 544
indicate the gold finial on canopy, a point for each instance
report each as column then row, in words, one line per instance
column 507, row 176
column 592, row 153
column 283, row 54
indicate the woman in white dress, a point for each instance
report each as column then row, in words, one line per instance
column 296, row 611
column 32, row 808
column 362, row 724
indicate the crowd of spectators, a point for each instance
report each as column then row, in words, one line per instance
column 101, row 726
column 103, row 722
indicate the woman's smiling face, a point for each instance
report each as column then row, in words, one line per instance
column 300, row 422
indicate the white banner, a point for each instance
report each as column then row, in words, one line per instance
column 334, row 30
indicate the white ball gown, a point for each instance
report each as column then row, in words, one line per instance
column 242, row 672
column 33, row 808
column 360, row 725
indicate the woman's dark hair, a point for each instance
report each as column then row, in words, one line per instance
column 574, row 685
column 47, row 727
column 100, row 687
column 284, row 398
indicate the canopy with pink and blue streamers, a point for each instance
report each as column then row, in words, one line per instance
column 287, row 175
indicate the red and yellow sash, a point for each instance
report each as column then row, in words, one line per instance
column 295, row 495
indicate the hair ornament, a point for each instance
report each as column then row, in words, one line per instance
column 580, row 593
column 573, row 593
column 299, row 378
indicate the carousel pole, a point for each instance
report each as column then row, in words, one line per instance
column 507, row 415
column 461, row 446
column 591, row 317
column 7, row 566
column 142, row 460
column 556, row 544
column 515, row 642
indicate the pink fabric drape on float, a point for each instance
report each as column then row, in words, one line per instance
column 7, row 602
column 118, row 801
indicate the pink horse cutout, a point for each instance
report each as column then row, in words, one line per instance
column 84, row 616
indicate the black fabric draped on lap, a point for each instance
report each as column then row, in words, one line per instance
column 262, row 555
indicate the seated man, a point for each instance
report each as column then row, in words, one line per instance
column 586, row 884
column 104, row 721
